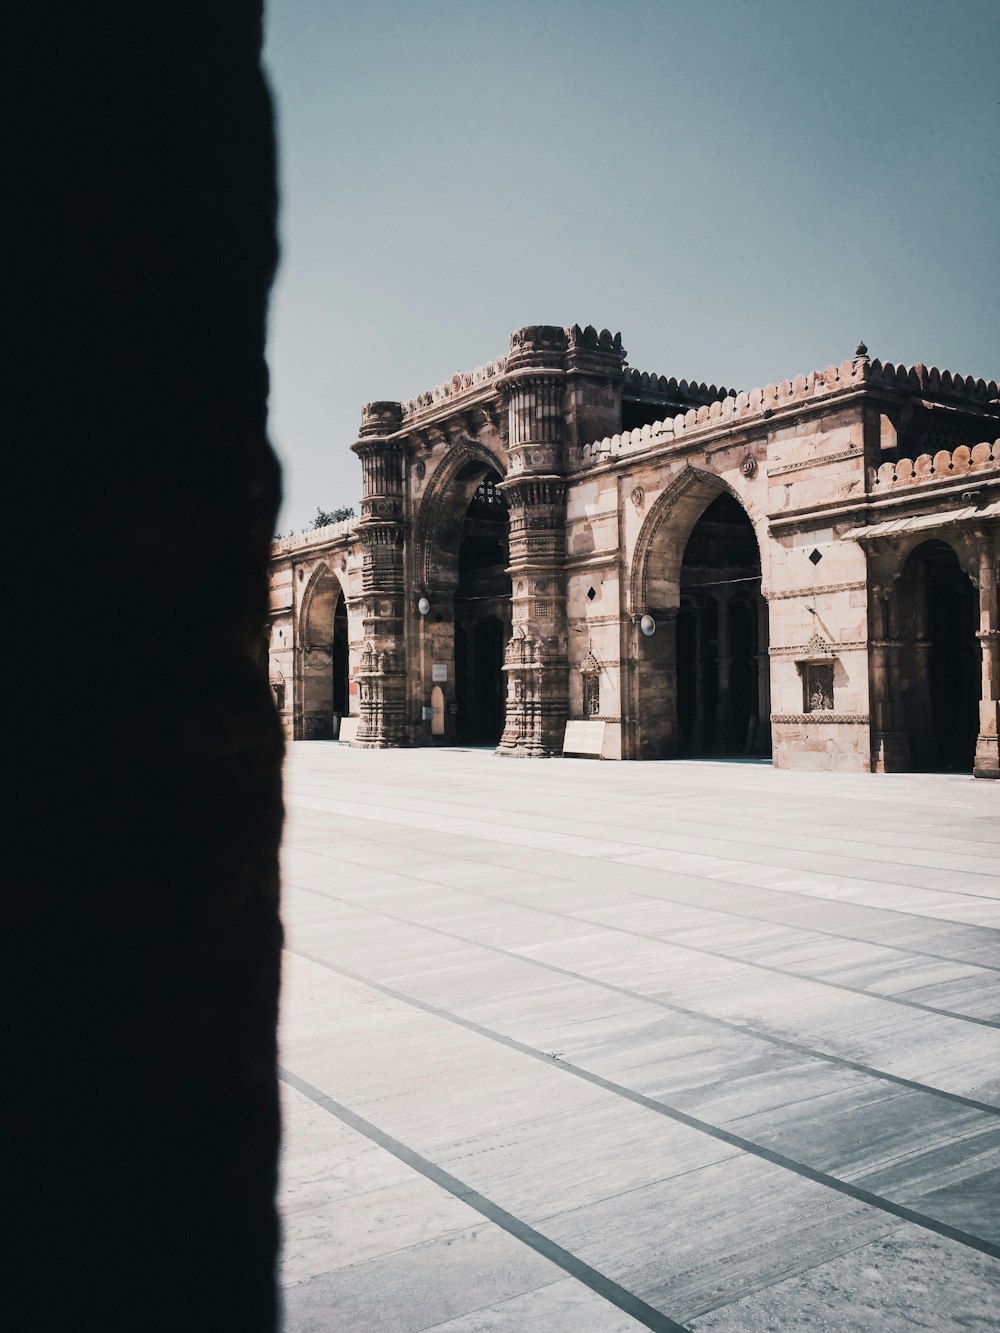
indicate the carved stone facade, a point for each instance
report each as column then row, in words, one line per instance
column 807, row 570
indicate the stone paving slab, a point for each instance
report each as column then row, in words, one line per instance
column 570, row 1045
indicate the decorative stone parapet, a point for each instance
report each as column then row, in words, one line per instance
column 325, row 536
column 802, row 390
column 943, row 466
column 931, row 380
column 459, row 385
column 596, row 354
column 639, row 381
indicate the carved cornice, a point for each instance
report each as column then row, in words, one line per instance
column 376, row 533
column 525, row 492
column 595, row 560
column 803, row 650
column 826, row 716
column 803, row 465
column 380, row 445
column 851, row 585
column 592, row 518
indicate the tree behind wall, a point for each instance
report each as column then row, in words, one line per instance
column 326, row 516
column 141, row 937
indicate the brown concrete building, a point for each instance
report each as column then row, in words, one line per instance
column 807, row 570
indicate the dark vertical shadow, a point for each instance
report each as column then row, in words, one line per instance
column 140, row 934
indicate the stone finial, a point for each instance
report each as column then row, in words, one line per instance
column 861, row 352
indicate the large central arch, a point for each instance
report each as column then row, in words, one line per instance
column 699, row 684
column 460, row 559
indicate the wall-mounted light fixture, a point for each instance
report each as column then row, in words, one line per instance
column 423, row 606
column 648, row 625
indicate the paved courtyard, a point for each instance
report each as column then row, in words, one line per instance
column 584, row 1048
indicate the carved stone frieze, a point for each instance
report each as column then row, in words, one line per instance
column 802, row 650
column 848, row 585
column 824, row 717
column 819, row 460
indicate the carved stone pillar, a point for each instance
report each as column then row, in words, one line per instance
column 890, row 742
column 698, row 726
column 723, row 706
column 916, row 656
column 382, row 676
column 535, row 663
column 762, row 659
column 987, row 762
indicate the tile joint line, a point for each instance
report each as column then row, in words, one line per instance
column 577, row 1268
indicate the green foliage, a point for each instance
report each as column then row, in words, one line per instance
column 325, row 516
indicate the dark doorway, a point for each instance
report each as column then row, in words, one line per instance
column 941, row 659
column 341, row 659
column 482, row 618
column 722, row 670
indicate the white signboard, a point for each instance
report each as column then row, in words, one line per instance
column 584, row 738
column 439, row 671
column 348, row 729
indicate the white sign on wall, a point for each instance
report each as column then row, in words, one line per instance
column 584, row 738
column 439, row 671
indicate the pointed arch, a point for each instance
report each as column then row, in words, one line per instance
column 322, row 662
column 680, row 505
column 321, row 571
column 459, row 559
column 670, row 667
column 445, row 498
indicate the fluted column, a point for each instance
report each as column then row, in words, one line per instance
column 987, row 762
column 535, row 663
column 383, row 660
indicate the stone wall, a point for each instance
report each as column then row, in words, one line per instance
column 599, row 524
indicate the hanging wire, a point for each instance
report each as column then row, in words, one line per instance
column 718, row 583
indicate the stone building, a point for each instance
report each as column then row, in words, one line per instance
column 807, row 571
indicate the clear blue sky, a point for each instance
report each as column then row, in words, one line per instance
column 742, row 188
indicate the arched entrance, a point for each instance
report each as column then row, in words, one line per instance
column 721, row 629
column 460, row 558
column 940, row 659
column 324, row 667
column 700, row 685
column 482, row 617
